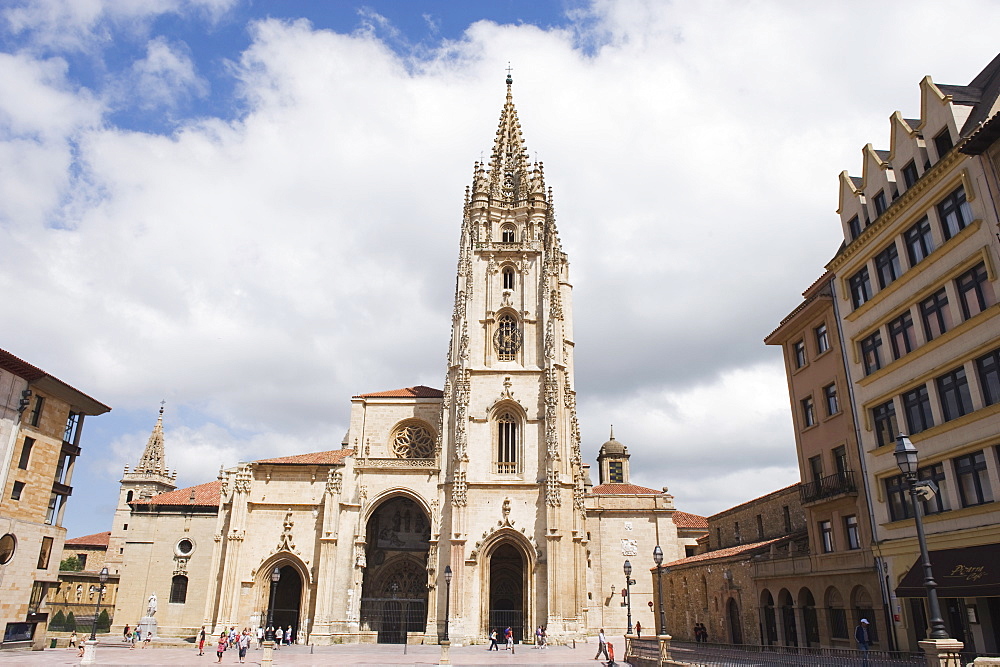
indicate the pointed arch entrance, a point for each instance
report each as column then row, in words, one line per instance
column 394, row 587
column 287, row 598
column 508, row 590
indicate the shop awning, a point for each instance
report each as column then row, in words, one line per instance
column 960, row 573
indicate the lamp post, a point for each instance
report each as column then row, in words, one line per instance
column 658, row 559
column 907, row 459
column 446, row 644
column 267, row 659
column 628, row 592
column 90, row 646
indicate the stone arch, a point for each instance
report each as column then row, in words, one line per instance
column 293, row 587
column 393, row 492
column 508, row 421
column 836, row 613
column 412, row 439
column 863, row 607
column 508, row 561
column 769, row 621
column 734, row 621
column 789, row 629
column 810, row 618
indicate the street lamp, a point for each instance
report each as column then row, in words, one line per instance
column 447, row 599
column 103, row 576
column 275, row 578
column 628, row 592
column 658, row 559
column 907, row 459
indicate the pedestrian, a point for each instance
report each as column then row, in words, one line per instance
column 72, row 640
column 126, row 633
column 221, row 647
column 201, row 642
column 493, row 641
column 863, row 639
column 136, row 637
column 538, row 637
column 509, row 635
column 147, row 638
column 243, row 643
column 638, row 630
column 288, row 636
column 79, row 653
column 260, row 636
column 545, row 641
column 704, row 633
column 279, row 636
column 602, row 646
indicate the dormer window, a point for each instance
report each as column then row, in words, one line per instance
column 508, row 234
column 943, row 143
column 508, row 278
column 854, row 227
column 880, row 205
column 910, row 175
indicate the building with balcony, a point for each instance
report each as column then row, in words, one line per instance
column 41, row 426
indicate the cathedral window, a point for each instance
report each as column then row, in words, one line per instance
column 412, row 440
column 616, row 472
column 508, row 234
column 507, row 443
column 507, row 338
column 508, row 278
column 179, row 589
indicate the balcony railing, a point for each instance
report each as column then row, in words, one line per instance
column 504, row 468
column 829, row 486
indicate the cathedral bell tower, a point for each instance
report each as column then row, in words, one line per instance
column 513, row 484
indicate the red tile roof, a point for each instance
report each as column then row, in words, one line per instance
column 207, row 494
column 687, row 520
column 95, row 540
column 420, row 391
column 23, row 369
column 726, row 553
column 332, row 457
column 623, row 490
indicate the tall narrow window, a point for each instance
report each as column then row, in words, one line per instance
column 935, row 314
column 760, row 528
column 884, row 420
column 36, row 412
column 953, row 389
column 934, row 473
column 880, row 205
column 917, row 406
column 822, row 339
column 72, row 426
column 954, row 212
column 851, row 530
column 808, row 412
column 507, row 339
column 826, row 536
column 508, row 233
column 22, row 462
column 897, row 493
column 919, row 242
column 988, row 367
column 943, row 143
column 45, row 553
column 830, row 394
column 871, row 352
column 508, row 278
column 973, row 479
column 179, row 589
column 887, row 266
column 910, row 175
column 616, row 473
column 800, row 354
column 854, row 227
column 861, row 287
column 786, row 515
column 975, row 291
column 507, row 444
column 901, row 335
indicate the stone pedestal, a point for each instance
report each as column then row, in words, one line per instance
column 148, row 627
column 445, row 653
column 942, row 652
column 267, row 659
column 89, row 653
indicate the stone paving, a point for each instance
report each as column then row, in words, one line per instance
column 111, row 652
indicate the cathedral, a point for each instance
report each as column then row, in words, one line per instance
column 484, row 479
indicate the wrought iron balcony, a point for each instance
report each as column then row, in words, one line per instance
column 827, row 487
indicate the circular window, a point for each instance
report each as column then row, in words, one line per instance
column 8, row 544
column 185, row 547
column 412, row 440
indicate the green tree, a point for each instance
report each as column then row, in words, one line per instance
column 104, row 622
column 70, row 623
column 58, row 621
column 71, row 564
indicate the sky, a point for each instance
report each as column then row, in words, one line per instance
column 250, row 210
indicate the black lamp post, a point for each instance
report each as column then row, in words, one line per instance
column 447, row 599
column 628, row 592
column 275, row 578
column 658, row 559
column 103, row 576
column 906, row 459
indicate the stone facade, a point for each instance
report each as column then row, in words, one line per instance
column 484, row 478
column 41, row 425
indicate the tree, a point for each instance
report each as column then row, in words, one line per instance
column 58, row 621
column 70, row 623
column 104, row 622
column 71, row 564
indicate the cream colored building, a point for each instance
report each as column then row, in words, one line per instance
column 485, row 477
column 917, row 290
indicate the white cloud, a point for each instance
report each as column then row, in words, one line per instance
column 165, row 76
column 261, row 271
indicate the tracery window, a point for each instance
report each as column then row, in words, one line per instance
column 507, row 443
column 508, row 234
column 508, row 278
column 412, row 440
column 507, row 339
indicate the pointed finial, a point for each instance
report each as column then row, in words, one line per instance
column 612, row 432
column 510, row 79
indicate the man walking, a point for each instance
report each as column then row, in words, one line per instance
column 602, row 646
column 863, row 639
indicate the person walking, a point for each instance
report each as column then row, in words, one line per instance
column 545, row 641
column 243, row 643
column 602, row 646
column 201, row 642
column 493, row 641
column 863, row 638
column 509, row 635
column 127, row 633
column 638, row 630
column 72, row 640
column 260, row 636
column 538, row 637
column 288, row 636
column 220, row 648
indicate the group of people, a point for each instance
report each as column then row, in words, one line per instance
column 700, row 633
column 508, row 636
column 540, row 637
column 134, row 635
column 238, row 639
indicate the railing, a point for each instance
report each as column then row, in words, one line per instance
column 726, row 655
column 399, row 463
column 506, row 468
column 825, row 487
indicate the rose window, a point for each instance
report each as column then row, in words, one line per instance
column 413, row 441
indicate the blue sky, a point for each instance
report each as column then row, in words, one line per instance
column 251, row 210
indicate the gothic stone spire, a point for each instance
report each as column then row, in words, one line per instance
column 153, row 460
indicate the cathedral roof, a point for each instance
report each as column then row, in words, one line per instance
column 332, row 457
column 623, row 490
column 420, row 391
column 688, row 520
column 207, row 494
column 95, row 540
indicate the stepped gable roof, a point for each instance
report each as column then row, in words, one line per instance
column 95, row 540
column 883, row 155
column 688, row 520
column 420, row 391
column 205, row 495
column 31, row 373
column 332, row 457
column 728, row 552
column 965, row 95
column 623, row 490
column 857, row 181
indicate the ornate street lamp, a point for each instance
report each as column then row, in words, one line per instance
column 447, row 599
column 907, row 460
column 628, row 592
column 275, row 578
column 658, row 559
column 103, row 576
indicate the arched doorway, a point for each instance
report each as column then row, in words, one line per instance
column 735, row 624
column 788, row 618
column 508, row 601
column 809, row 617
column 287, row 598
column 394, row 588
column 770, row 629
